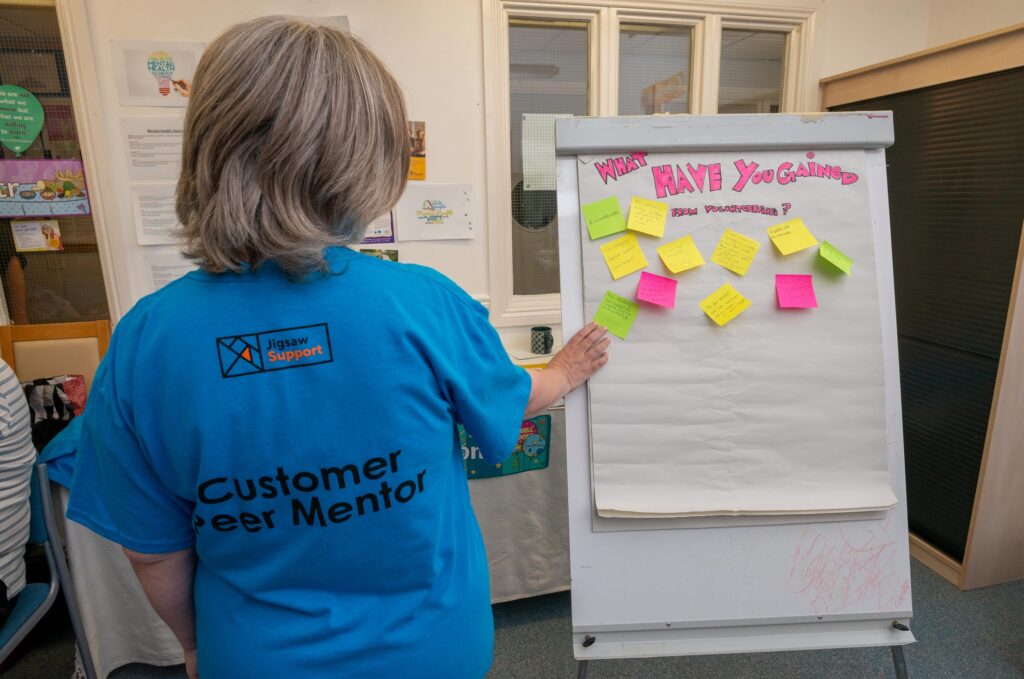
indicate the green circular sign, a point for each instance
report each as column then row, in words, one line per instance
column 21, row 118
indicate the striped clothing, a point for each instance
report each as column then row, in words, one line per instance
column 16, row 459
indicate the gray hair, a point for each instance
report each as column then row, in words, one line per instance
column 295, row 138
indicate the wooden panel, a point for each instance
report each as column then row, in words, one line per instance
column 935, row 559
column 987, row 53
column 995, row 544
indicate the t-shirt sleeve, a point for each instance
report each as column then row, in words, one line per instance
column 116, row 491
column 488, row 391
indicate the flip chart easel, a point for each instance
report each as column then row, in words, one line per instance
column 716, row 585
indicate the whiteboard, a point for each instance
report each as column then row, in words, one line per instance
column 724, row 587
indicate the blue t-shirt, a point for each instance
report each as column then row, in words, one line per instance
column 302, row 436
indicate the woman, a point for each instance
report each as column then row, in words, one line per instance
column 272, row 438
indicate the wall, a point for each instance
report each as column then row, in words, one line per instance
column 857, row 33
column 433, row 49
column 952, row 20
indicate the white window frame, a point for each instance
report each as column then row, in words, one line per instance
column 796, row 18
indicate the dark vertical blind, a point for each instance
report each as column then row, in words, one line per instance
column 956, row 202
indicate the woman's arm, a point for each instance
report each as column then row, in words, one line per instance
column 580, row 358
column 167, row 580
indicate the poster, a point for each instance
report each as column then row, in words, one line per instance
column 162, row 267
column 435, row 212
column 42, row 188
column 34, row 235
column 386, row 255
column 381, row 229
column 728, row 403
column 417, row 150
column 153, row 146
column 530, row 454
column 21, row 118
column 155, row 73
column 153, row 209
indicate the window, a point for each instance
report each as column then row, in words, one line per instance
column 545, row 60
column 49, row 260
column 751, row 71
column 548, row 75
column 654, row 69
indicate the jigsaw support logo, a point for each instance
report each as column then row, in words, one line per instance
column 270, row 350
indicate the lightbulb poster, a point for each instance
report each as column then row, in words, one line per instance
column 155, row 72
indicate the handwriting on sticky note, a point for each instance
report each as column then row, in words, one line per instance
column 623, row 256
column 795, row 291
column 656, row 289
column 617, row 314
column 724, row 304
column 647, row 216
column 792, row 236
column 735, row 252
column 604, row 218
column 681, row 255
column 833, row 256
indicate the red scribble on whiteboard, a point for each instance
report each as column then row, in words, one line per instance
column 838, row 573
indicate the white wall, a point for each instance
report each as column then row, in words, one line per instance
column 952, row 20
column 434, row 48
column 856, row 33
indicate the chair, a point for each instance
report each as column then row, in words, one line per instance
column 37, row 598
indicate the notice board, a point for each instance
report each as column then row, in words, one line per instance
column 768, row 449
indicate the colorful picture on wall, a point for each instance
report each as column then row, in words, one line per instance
column 42, row 188
column 531, row 452
column 417, row 150
column 36, row 235
column 386, row 255
column 155, row 73
column 21, row 118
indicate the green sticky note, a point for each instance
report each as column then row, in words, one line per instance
column 837, row 259
column 604, row 218
column 617, row 314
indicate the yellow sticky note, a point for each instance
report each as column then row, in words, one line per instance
column 681, row 255
column 647, row 216
column 724, row 304
column 735, row 252
column 623, row 256
column 792, row 236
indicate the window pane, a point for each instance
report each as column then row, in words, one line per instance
column 548, row 74
column 654, row 69
column 51, row 273
column 751, row 71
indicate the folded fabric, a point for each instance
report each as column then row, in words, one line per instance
column 59, row 453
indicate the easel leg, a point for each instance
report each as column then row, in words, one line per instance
column 899, row 663
column 581, row 669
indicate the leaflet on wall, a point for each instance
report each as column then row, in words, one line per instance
column 381, row 230
column 386, row 255
column 36, row 235
column 435, row 212
column 42, row 188
column 153, row 209
column 155, row 72
column 417, row 150
column 153, row 146
column 162, row 267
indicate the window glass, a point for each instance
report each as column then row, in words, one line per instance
column 548, row 74
column 49, row 263
column 654, row 69
column 751, row 71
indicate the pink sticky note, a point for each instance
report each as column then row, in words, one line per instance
column 795, row 291
column 655, row 289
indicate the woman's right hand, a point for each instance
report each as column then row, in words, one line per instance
column 582, row 356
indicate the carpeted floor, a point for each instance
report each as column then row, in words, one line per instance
column 961, row 635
